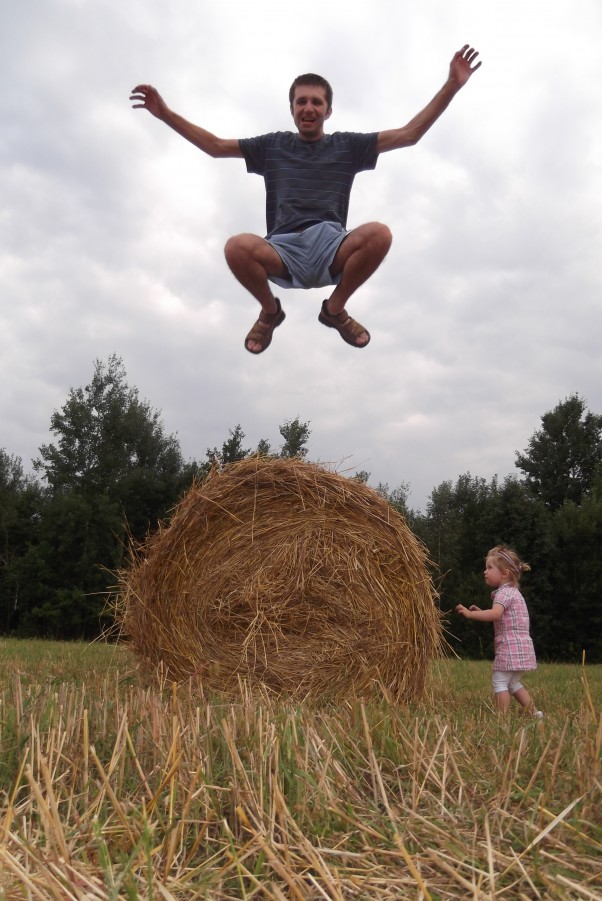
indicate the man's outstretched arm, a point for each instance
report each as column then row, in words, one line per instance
column 461, row 68
column 149, row 98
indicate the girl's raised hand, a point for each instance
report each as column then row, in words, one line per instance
column 465, row 611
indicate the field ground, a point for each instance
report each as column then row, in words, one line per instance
column 111, row 788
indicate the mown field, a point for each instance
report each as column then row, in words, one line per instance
column 112, row 788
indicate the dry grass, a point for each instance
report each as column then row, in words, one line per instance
column 112, row 789
column 298, row 580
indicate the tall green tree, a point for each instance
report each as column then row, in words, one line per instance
column 296, row 435
column 397, row 497
column 112, row 474
column 112, row 444
column 263, row 448
column 575, row 572
column 463, row 521
column 232, row 450
column 21, row 501
column 561, row 459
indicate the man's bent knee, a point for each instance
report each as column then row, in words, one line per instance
column 375, row 235
column 239, row 245
column 382, row 234
column 248, row 250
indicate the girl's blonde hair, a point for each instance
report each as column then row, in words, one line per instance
column 509, row 561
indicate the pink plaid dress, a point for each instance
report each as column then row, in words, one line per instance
column 514, row 651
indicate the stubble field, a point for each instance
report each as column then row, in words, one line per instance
column 112, row 788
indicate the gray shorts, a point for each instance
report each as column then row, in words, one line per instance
column 308, row 255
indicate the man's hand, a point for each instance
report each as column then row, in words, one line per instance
column 150, row 99
column 461, row 66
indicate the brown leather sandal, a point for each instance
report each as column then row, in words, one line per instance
column 348, row 328
column 263, row 329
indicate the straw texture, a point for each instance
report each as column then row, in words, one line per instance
column 287, row 576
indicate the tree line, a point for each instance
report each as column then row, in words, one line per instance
column 113, row 474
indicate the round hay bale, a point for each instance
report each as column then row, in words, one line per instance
column 287, row 576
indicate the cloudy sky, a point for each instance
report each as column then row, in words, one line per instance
column 486, row 313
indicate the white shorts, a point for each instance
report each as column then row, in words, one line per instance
column 506, row 682
column 308, row 255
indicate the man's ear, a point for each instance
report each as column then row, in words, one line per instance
column 328, row 114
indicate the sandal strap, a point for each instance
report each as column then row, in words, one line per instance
column 348, row 328
column 268, row 318
column 263, row 328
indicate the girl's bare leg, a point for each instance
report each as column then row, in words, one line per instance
column 502, row 701
column 524, row 699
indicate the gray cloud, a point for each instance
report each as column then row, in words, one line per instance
column 484, row 316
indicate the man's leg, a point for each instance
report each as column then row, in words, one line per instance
column 251, row 260
column 357, row 258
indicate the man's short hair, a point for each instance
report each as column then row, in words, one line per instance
column 313, row 79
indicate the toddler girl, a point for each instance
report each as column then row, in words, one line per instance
column 514, row 651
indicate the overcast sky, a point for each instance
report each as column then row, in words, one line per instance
column 486, row 313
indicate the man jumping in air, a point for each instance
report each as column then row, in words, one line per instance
column 308, row 178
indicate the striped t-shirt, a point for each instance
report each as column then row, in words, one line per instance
column 308, row 181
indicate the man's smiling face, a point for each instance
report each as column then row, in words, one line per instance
column 310, row 110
